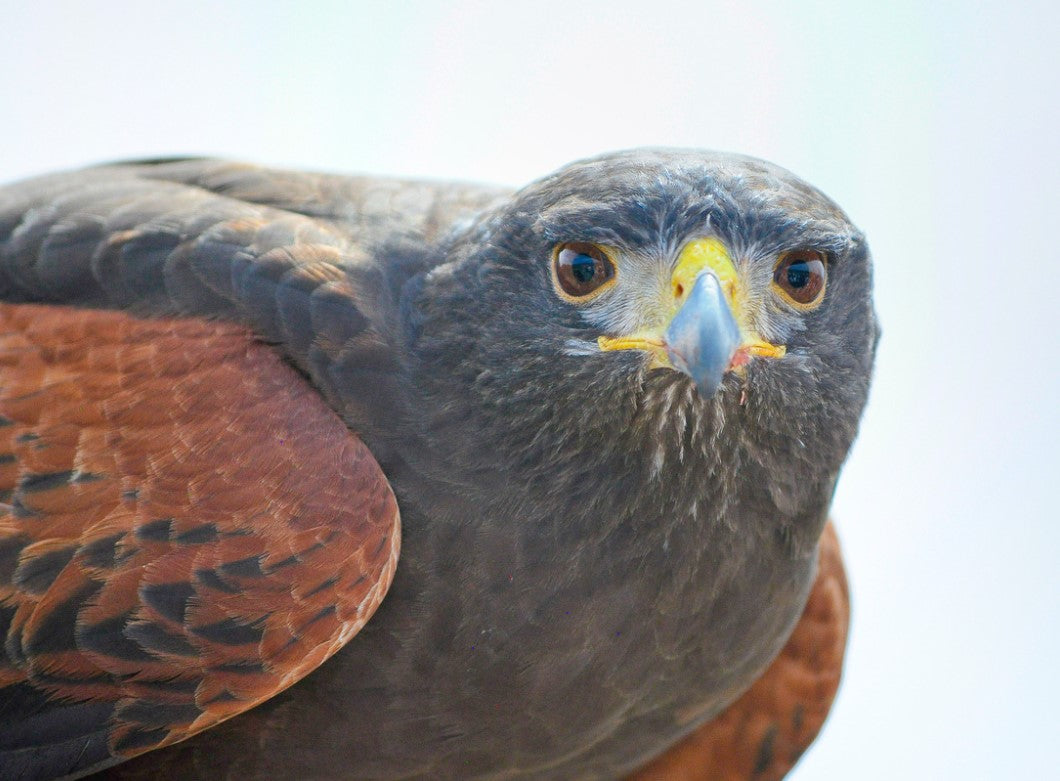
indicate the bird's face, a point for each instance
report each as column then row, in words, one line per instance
column 631, row 280
column 692, row 310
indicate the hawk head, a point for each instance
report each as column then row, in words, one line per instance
column 649, row 310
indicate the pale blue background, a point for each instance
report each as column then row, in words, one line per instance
column 934, row 124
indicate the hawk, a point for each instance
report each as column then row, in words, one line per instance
column 601, row 418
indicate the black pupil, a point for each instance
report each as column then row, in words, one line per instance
column 583, row 267
column 799, row 274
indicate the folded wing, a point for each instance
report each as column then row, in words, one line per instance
column 186, row 528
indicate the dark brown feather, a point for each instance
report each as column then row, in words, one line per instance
column 761, row 736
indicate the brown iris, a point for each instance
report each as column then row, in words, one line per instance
column 801, row 276
column 581, row 268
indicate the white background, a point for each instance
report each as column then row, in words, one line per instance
column 934, row 124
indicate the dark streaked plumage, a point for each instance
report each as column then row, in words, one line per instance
column 595, row 557
column 763, row 734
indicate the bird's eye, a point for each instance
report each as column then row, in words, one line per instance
column 800, row 276
column 581, row 269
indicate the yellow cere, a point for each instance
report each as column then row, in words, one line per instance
column 703, row 254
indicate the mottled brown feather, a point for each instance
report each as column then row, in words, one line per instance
column 761, row 736
column 189, row 528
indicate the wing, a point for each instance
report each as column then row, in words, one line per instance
column 761, row 736
column 312, row 263
column 186, row 529
column 186, row 526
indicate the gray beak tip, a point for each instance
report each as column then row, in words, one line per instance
column 703, row 336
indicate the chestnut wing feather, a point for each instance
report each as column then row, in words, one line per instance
column 761, row 736
column 186, row 529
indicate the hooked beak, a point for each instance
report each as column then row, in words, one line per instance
column 705, row 337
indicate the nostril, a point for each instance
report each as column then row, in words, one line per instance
column 679, row 291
